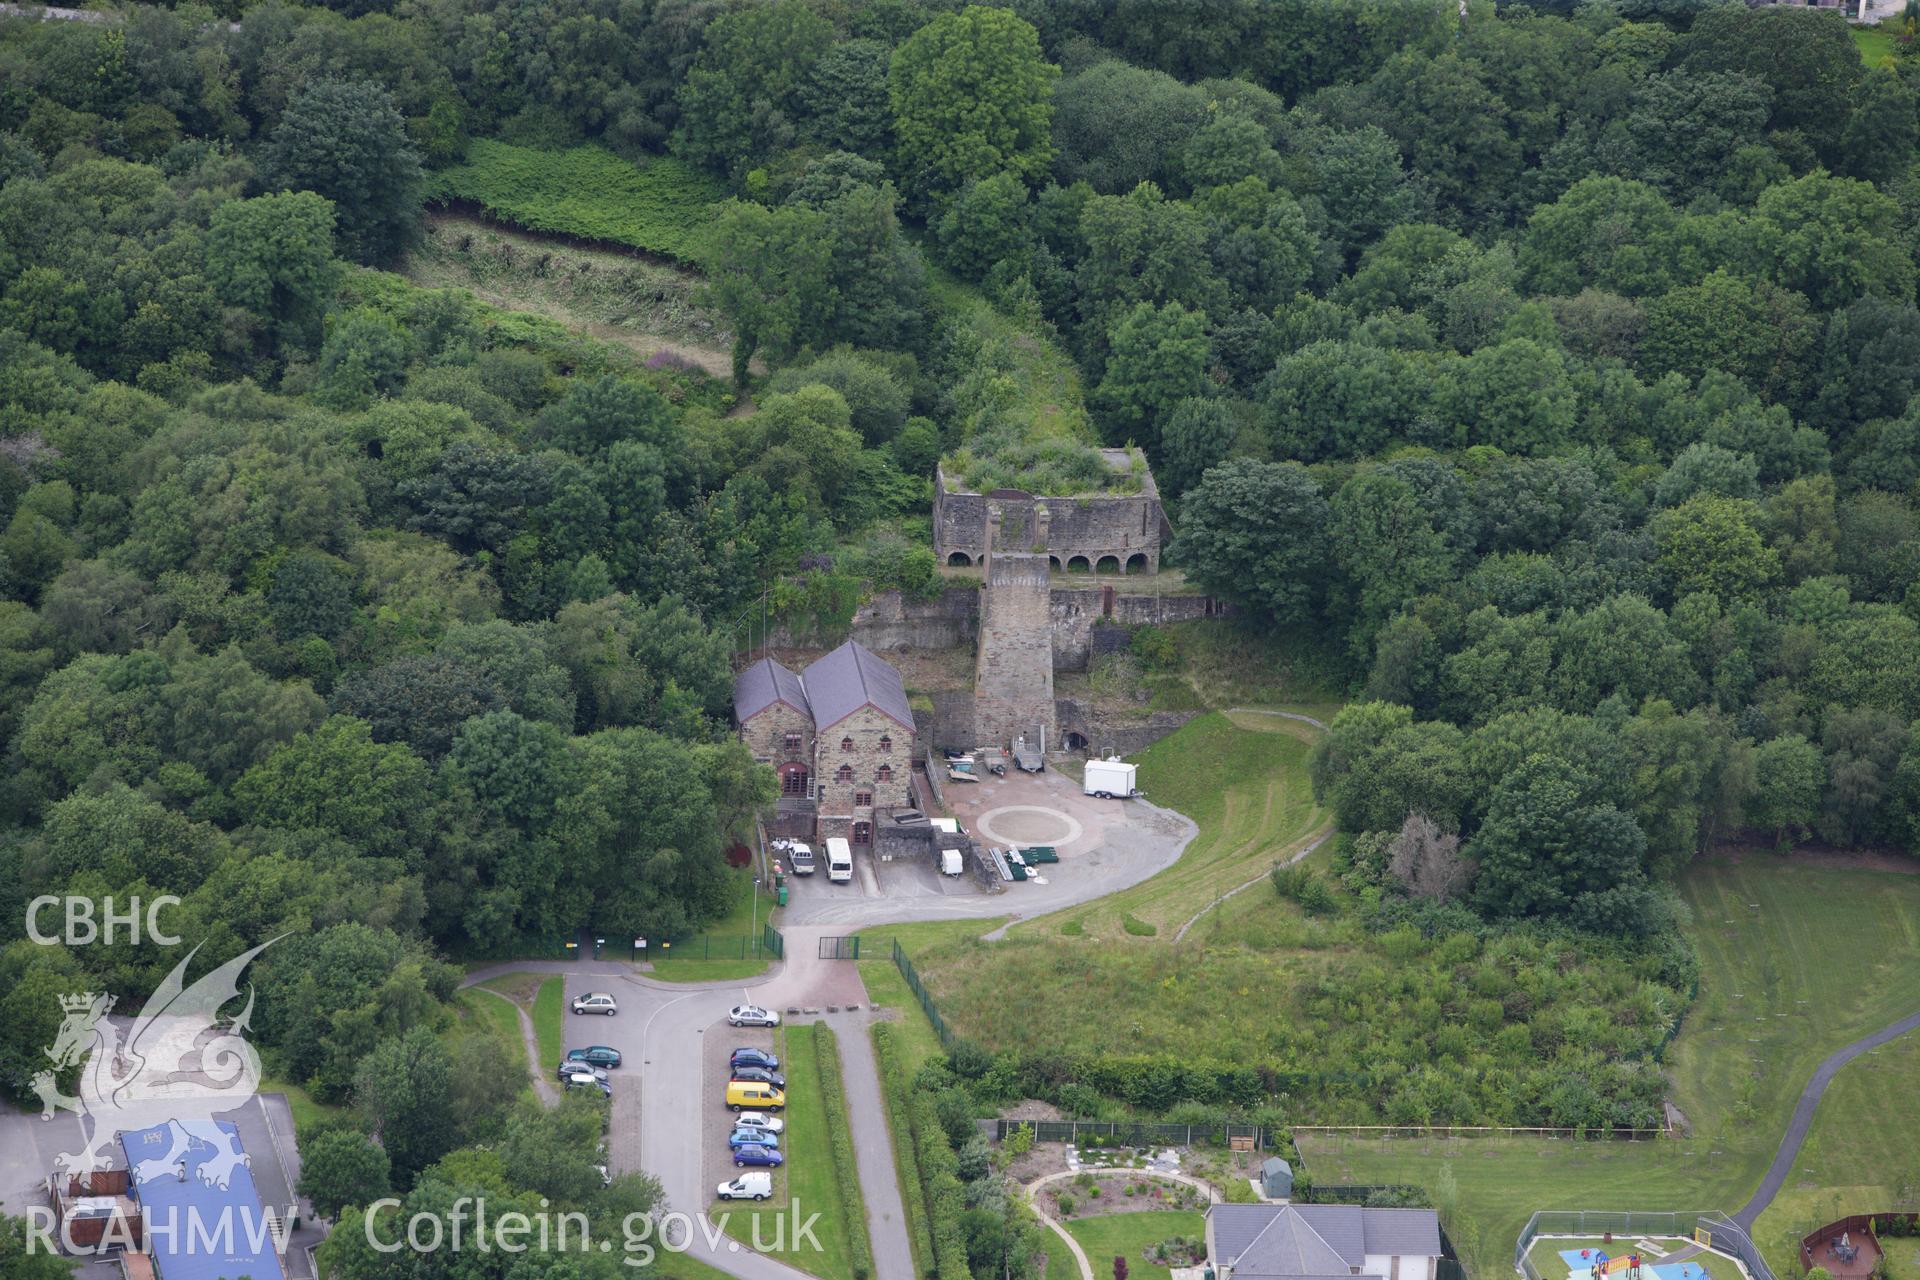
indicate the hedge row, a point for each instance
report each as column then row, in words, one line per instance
column 940, row 1179
column 587, row 192
column 910, row 1133
column 833, row 1099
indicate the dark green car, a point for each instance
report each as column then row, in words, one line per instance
column 596, row 1055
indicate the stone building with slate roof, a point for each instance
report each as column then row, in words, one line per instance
column 1322, row 1242
column 839, row 735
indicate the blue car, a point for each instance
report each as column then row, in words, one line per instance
column 757, row 1154
column 753, row 1138
column 754, row 1058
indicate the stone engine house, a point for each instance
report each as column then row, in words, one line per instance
column 839, row 735
column 1097, row 533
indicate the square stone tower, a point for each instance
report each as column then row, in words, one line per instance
column 1013, row 672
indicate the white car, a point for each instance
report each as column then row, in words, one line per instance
column 748, row 1186
column 595, row 1002
column 751, row 1015
column 759, row 1120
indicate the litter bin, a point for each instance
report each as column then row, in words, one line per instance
column 783, row 895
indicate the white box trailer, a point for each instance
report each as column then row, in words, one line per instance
column 1109, row 778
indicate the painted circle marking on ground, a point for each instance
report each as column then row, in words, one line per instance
column 1026, row 824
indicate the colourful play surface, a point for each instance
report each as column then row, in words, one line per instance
column 1579, row 1268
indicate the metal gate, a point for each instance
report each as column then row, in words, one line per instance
column 840, row 948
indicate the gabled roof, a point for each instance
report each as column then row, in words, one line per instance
column 852, row 677
column 1289, row 1246
column 1316, row 1241
column 762, row 685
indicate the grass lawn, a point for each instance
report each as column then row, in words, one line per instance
column 306, row 1112
column 1876, row 45
column 723, row 939
column 680, row 1266
column 1862, row 1153
column 549, row 1015
column 1120, row 1235
column 1903, row 1258
column 1796, row 960
column 806, row 1179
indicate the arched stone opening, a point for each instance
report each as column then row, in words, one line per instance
column 1076, row 742
column 1053, row 563
column 959, row 559
column 1078, row 564
column 1107, row 564
column 1137, row 562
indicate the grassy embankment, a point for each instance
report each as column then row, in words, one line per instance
column 644, row 305
column 543, row 996
column 659, row 207
column 1797, row 960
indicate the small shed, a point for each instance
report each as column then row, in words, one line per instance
column 1276, row 1179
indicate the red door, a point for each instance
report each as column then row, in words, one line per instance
column 863, row 833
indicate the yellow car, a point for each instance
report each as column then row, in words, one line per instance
column 744, row 1095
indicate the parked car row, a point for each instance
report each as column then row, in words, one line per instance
column 587, row 1068
column 755, row 1090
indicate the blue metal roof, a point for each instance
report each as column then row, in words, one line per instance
column 197, row 1231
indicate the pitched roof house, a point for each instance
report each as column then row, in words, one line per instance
column 840, row 736
column 852, row 677
column 762, row 685
column 1322, row 1242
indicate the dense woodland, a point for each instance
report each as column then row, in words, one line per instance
column 1547, row 375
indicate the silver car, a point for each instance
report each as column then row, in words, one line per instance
column 751, row 1015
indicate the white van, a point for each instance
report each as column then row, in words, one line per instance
column 839, row 860
column 951, row 863
column 800, row 858
column 748, row 1186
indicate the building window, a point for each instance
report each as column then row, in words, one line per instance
column 794, row 783
column 793, row 742
column 885, row 774
column 846, row 744
column 861, row 798
column 886, row 744
column 845, row 774
column 863, row 833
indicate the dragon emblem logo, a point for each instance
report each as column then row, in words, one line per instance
column 178, row 1065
